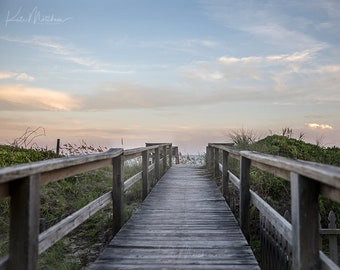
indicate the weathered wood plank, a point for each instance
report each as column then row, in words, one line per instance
column 105, row 265
column 132, row 180
column 49, row 237
column 245, row 195
column 282, row 226
column 327, row 263
column 24, row 220
column 51, row 176
column 184, row 223
column 117, row 192
column 164, row 159
column 137, row 152
column 326, row 174
column 24, row 170
column 273, row 170
column 145, row 173
column 157, row 166
column 4, row 263
column 305, row 222
column 4, row 190
column 225, row 176
column 216, row 163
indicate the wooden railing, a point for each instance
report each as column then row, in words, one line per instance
column 296, row 244
column 22, row 183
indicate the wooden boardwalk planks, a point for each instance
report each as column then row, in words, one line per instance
column 184, row 223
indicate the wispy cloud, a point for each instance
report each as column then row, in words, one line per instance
column 21, row 97
column 16, row 76
column 280, row 36
column 60, row 48
column 127, row 95
column 319, row 126
column 332, row 8
column 50, row 45
column 299, row 56
column 186, row 45
column 282, row 26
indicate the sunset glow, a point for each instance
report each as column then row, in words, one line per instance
column 186, row 72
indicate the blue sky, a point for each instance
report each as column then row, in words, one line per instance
column 187, row 72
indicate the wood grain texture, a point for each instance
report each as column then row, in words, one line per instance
column 24, row 170
column 117, row 192
column 24, row 220
column 184, row 223
column 305, row 222
column 245, row 195
column 325, row 174
column 49, row 237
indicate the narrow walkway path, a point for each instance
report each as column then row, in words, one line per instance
column 184, row 223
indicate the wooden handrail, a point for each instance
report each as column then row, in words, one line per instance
column 22, row 183
column 8, row 174
column 315, row 177
column 328, row 176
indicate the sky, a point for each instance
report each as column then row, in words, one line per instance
column 124, row 72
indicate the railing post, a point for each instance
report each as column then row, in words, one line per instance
column 117, row 192
column 216, row 163
column 164, row 159
column 157, row 158
column 170, row 155
column 245, row 195
column 207, row 157
column 225, row 176
column 145, row 167
column 57, row 151
column 333, row 243
column 305, row 222
column 210, row 158
column 176, row 155
column 24, row 220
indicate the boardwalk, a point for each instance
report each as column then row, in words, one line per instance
column 184, row 223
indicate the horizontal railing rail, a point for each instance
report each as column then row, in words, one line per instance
column 22, row 183
column 299, row 240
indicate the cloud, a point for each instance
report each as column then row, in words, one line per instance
column 121, row 95
column 24, row 77
column 282, row 37
column 246, row 60
column 299, row 56
column 16, row 76
column 127, row 95
column 332, row 8
column 319, row 126
column 68, row 52
column 187, row 45
column 54, row 46
column 286, row 26
column 296, row 76
column 21, row 97
column 6, row 75
column 271, row 78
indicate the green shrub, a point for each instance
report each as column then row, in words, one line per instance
column 12, row 155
